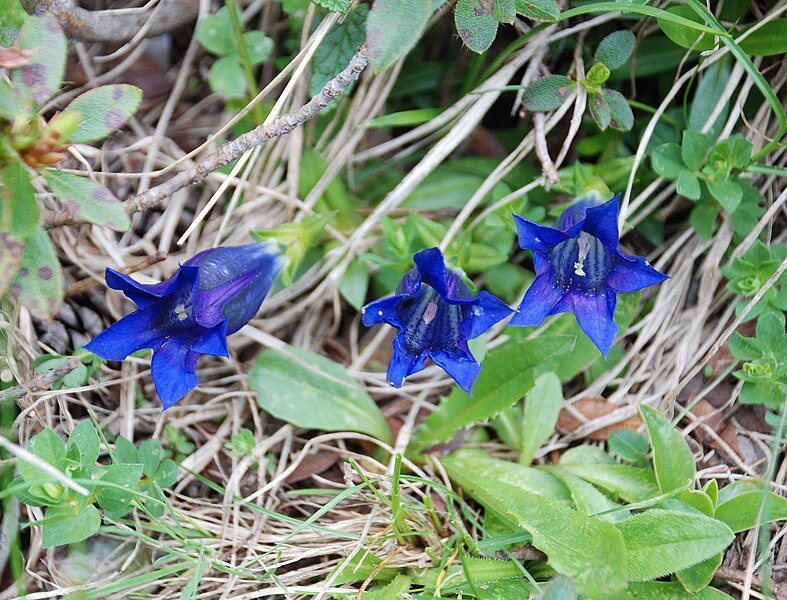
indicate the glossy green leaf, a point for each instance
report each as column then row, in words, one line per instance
column 673, row 461
column 587, row 549
column 393, row 28
column 508, row 374
column 615, row 49
column 542, row 406
column 684, row 36
column 548, row 93
column 768, row 40
column 314, row 392
column 475, row 24
column 41, row 79
column 660, row 542
column 103, row 110
column 38, row 283
column 63, row 525
column 89, row 200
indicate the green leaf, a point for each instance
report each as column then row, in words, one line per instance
column 540, row 10
column 226, row 76
column 703, row 219
column 476, row 26
column 150, row 454
column 694, row 147
column 258, row 46
column 668, row 160
column 84, row 440
column 560, row 588
column 673, row 461
column 700, row 575
column 599, row 109
column 671, row 590
column 706, row 97
column 355, row 283
column 548, row 93
column 403, row 118
column 615, row 49
column 728, row 192
column 393, row 28
column 689, row 185
column 9, row 103
column 215, row 33
column 47, row 446
column 542, row 407
column 395, row 590
column 313, row 392
column 103, row 110
column 508, row 374
column 587, row 549
column 115, row 501
column 41, row 79
column 628, row 444
column 125, row 451
column 628, row 483
column 504, row 11
column 38, row 284
column 768, row 40
column 482, row 571
column 63, row 525
column 621, row 116
column 745, row 510
column 660, row 542
column 588, row 500
column 88, row 200
column 683, row 36
column 18, row 218
column 338, row 47
column 340, row 6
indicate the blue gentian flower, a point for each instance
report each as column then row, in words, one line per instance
column 580, row 269
column 435, row 315
column 212, row 295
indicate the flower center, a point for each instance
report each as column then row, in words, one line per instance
column 430, row 322
column 581, row 263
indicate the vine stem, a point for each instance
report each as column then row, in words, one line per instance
column 232, row 150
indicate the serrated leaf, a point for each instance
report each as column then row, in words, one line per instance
column 615, row 49
column 395, row 590
column 338, row 48
column 475, row 25
column 673, row 462
column 599, row 109
column 103, row 110
column 660, row 542
column 42, row 77
column 542, row 406
column 63, row 525
column 620, row 115
column 340, row 6
column 314, row 392
column 540, row 10
column 38, row 284
column 88, row 200
column 669, row 590
column 587, row 549
column 667, row 160
column 508, row 374
column 393, row 28
column 548, row 93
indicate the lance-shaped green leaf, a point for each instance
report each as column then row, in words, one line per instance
column 541, row 410
column 42, row 77
column 86, row 199
column 103, row 110
column 669, row 590
column 673, row 461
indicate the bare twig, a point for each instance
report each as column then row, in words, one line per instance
column 42, row 382
column 542, row 151
column 115, row 25
column 232, row 150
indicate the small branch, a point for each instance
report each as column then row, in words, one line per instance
column 232, row 150
column 542, row 151
column 116, row 26
column 42, row 382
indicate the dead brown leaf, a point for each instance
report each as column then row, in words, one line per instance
column 594, row 408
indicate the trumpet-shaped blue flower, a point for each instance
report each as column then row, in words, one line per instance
column 212, row 295
column 435, row 315
column 580, row 269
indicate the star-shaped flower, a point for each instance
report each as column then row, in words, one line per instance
column 212, row 295
column 580, row 269
column 435, row 315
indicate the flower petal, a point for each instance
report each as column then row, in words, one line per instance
column 460, row 365
column 133, row 332
column 143, row 295
column 383, row 311
column 174, row 368
column 431, row 266
column 633, row 273
column 540, row 299
column 535, row 237
column 403, row 362
column 595, row 314
column 213, row 341
column 602, row 222
column 487, row 309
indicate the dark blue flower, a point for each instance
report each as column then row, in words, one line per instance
column 580, row 269
column 212, row 295
column 435, row 315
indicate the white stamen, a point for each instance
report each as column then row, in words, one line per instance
column 430, row 312
column 181, row 312
column 579, row 269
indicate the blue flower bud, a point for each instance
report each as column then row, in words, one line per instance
column 212, row 295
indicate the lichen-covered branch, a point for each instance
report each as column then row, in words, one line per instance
column 116, row 26
column 232, row 150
